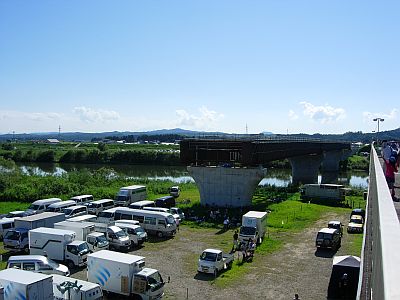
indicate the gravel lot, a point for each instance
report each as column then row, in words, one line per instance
column 297, row 268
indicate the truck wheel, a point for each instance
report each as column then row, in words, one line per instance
column 229, row 266
column 70, row 264
column 160, row 234
column 215, row 272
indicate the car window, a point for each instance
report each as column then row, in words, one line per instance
column 28, row 266
column 14, row 265
column 44, row 267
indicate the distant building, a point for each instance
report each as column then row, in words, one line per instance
column 52, row 141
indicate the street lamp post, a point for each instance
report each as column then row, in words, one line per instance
column 378, row 120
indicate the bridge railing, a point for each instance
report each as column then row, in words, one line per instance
column 380, row 258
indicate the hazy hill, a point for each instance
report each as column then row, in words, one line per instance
column 178, row 133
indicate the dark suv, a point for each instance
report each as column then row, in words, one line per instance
column 328, row 238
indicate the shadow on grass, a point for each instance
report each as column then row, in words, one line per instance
column 156, row 239
column 325, row 253
column 204, row 277
column 221, row 231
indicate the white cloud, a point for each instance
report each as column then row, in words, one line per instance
column 206, row 119
column 90, row 115
column 369, row 116
column 323, row 114
column 292, row 115
column 34, row 116
column 39, row 117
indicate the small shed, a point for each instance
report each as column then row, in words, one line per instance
column 343, row 283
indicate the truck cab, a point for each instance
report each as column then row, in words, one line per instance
column 214, row 260
column 148, row 284
column 16, row 240
column 97, row 241
column 253, row 226
column 118, row 238
column 76, row 253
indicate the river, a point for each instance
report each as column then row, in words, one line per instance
column 179, row 174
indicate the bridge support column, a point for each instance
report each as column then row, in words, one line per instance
column 232, row 187
column 305, row 168
column 331, row 160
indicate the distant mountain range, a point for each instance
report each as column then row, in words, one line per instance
column 178, row 132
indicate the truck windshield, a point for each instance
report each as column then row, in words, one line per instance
column 83, row 248
column 208, row 256
column 120, row 234
column 170, row 220
column 356, row 220
column 247, row 230
column 12, row 235
column 155, row 281
column 67, row 211
column 139, row 230
column 101, row 239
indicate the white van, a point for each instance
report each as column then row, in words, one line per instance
column 59, row 206
column 136, row 233
column 5, row 225
column 107, row 216
column 37, row 263
column 74, row 211
column 142, row 204
column 178, row 211
column 159, row 223
column 82, row 199
column 96, row 207
column 40, row 206
column 166, row 210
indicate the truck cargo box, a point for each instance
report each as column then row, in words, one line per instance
column 20, row 284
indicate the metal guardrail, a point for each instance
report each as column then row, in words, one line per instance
column 380, row 257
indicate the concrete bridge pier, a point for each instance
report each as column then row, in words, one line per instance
column 226, row 187
column 305, row 168
column 331, row 160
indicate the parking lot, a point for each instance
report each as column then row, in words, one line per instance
column 296, row 268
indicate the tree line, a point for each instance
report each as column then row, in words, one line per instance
column 139, row 157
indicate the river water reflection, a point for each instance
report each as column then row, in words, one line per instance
column 179, row 174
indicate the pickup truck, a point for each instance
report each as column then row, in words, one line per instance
column 213, row 260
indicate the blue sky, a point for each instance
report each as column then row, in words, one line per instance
column 281, row 66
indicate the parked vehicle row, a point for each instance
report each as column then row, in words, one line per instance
column 120, row 274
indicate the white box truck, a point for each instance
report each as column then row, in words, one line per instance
column 74, row 289
column 253, row 226
column 45, row 219
column 336, row 192
column 16, row 239
column 85, row 231
column 20, row 284
column 58, row 244
column 124, row 274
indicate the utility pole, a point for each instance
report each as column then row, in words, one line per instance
column 378, row 120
